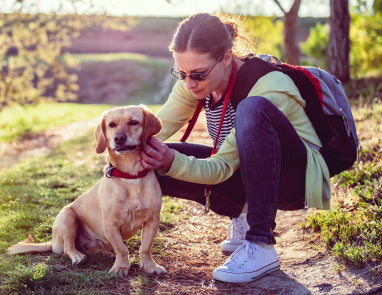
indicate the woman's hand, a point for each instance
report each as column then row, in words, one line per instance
column 156, row 154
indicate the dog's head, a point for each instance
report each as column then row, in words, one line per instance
column 123, row 129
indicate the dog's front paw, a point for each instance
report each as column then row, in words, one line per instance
column 153, row 268
column 122, row 270
column 77, row 257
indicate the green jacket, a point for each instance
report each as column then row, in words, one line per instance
column 282, row 92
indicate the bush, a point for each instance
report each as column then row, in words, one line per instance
column 267, row 35
column 316, row 45
column 35, row 65
column 366, row 44
column 32, row 67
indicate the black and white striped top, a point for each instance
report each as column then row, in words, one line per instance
column 213, row 114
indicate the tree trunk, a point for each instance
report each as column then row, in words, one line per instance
column 339, row 43
column 291, row 49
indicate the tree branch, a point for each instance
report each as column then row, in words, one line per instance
column 279, row 5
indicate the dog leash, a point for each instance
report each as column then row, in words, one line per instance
column 227, row 96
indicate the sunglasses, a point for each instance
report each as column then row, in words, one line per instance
column 194, row 76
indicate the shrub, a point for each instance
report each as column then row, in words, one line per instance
column 366, row 44
column 32, row 67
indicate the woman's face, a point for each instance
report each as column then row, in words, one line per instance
column 194, row 62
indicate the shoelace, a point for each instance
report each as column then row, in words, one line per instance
column 237, row 229
column 235, row 259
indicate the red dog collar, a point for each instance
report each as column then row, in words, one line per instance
column 113, row 172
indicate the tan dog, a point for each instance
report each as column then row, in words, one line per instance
column 115, row 208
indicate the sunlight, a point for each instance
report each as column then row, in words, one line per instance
column 169, row 8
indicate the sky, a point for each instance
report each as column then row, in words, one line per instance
column 176, row 7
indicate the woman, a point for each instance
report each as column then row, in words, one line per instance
column 264, row 156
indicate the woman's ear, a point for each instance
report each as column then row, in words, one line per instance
column 227, row 58
column 152, row 124
column 101, row 136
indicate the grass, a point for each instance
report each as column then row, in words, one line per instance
column 352, row 230
column 18, row 121
column 31, row 195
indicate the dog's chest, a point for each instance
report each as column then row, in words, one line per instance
column 135, row 194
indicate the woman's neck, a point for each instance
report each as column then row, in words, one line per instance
column 219, row 92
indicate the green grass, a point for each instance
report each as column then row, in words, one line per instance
column 31, row 195
column 352, row 230
column 17, row 121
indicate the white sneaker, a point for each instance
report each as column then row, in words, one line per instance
column 249, row 262
column 235, row 234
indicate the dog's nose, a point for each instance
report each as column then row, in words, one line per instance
column 120, row 138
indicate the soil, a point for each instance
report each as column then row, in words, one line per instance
column 192, row 246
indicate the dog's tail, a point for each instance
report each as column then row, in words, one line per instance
column 28, row 246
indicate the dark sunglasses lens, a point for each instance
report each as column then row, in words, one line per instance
column 197, row 77
column 183, row 75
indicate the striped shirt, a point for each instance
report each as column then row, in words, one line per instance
column 213, row 114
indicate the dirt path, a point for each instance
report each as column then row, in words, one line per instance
column 192, row 247
column 41, row 143
column 193, row 253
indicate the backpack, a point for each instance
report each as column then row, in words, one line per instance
column 327, row 107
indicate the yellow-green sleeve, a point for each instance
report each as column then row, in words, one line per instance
column 213, row 170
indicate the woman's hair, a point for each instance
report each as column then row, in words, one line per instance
column 207, row 33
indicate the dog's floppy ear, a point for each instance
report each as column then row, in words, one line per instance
column 100, row 136
column 152, row 124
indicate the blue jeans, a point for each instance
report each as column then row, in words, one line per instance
column 271, row 174
column 272, row 163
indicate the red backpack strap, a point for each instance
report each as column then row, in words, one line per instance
column 193, row 120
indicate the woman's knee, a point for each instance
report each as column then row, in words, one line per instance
column 252, row 105
column 253, row 112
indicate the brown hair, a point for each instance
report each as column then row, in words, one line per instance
column 208, row 33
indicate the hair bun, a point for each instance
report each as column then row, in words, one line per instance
column 232, row 29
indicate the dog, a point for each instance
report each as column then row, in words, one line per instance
column 126, row 199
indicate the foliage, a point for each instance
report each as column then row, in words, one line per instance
column 35, row 65
column 266, row 33
column 352, row 230
column 316, row 45
column 30, row 50
column 366, row 44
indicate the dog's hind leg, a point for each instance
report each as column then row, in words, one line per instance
column 149, row 231
column 65, row 229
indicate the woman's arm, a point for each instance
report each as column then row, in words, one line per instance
column 213, row 170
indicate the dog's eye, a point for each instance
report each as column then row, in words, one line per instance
column 133, row 122
column 112, row 124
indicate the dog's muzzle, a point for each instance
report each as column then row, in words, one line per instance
column 120, row 140
column 125, row 148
